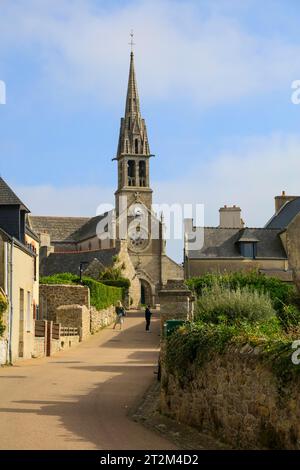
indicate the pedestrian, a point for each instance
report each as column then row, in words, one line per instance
column 120, row 314
column 148, row 315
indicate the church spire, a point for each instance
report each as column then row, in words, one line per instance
column 133, row 138
column 132, row 100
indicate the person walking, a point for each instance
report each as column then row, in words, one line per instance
column 120, row 314
column 148, row 315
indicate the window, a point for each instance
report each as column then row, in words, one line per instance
column 142, row 173
column 90, row 246
column 131, row 172
column 248, row 249
column 136, row 145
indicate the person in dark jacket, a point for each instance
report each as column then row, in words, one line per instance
column 148, row 315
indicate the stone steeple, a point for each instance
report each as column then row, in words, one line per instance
column 133, row 138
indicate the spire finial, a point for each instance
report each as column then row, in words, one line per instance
column 131, row 43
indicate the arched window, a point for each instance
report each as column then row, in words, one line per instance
column 142, row 173
column 126, row 146
column 90, row 246
column 136, row 145
column 131, row 172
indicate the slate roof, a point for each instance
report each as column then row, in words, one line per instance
column 286, row 214
column 66, row 229
column 69, row 261
column 8, row 197
column 59, row 228
column 223, row 243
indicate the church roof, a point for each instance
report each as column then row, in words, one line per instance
column 285, row 215
column 66, row 229
column 223, row 243
column 69, row 262
column 8, row 197
column 59, row 228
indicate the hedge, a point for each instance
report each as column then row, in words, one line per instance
column 102, row 296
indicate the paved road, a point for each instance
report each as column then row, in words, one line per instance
column 79, row 399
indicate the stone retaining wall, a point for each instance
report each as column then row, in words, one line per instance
column 238, row 399
column 55, row 295
column 102, row 318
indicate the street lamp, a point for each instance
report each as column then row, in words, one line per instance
column 82, row 263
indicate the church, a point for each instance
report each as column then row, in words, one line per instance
column 130, row 237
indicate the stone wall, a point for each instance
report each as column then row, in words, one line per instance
column 102, row 318
column 176, row 302
column 238, row 399
column 39, row 349
column 53, row 296
column 77, row 316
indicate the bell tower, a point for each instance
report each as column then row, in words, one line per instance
column 133, row 152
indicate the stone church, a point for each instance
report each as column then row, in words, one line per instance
column 131, row 236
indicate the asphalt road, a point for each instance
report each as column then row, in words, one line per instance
column 79, row 399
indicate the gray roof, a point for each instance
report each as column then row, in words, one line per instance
column 59, row 228
column 223, row 243
column 285, row 215
column 69, row 262
column 8, row 197
column 66, row 229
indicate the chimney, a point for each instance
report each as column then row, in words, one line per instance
column 230, row 217
column 281, row 200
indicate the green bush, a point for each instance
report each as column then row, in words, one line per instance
column 289, row 316
column 102, row 296
column 220, row 304
column 3, row 307
column 280, row 292
column 121, row 282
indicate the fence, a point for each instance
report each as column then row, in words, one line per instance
column 49, row 334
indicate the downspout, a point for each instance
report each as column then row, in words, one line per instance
column 11, row 302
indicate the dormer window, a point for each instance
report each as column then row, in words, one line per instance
column 248, row 249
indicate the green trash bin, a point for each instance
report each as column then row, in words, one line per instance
column 171, row 325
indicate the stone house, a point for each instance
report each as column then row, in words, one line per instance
column 273, row 249
column 19, row 276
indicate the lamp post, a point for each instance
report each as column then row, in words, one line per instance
column 82, row 263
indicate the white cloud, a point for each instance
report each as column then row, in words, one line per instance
column 207, row 58
column 250, row 176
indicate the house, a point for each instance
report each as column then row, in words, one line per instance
column 19, row 276
column 273, row 249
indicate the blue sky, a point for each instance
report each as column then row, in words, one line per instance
column 214, row 80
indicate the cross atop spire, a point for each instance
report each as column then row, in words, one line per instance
column 131, row 41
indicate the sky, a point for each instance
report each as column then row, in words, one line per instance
column 215, row 84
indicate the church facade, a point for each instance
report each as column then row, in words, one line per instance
column 131, row 235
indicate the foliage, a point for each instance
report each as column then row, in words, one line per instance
column 111, row 273
column 102, row 296
column 289, row 316
column 3, row 307
column 233, row 310
column 122, row 282
column 220, row 304
column 280, row 292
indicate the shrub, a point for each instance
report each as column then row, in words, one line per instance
column 289, row 316
column 280, row 292
column 220, row 304
column 102, row 296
